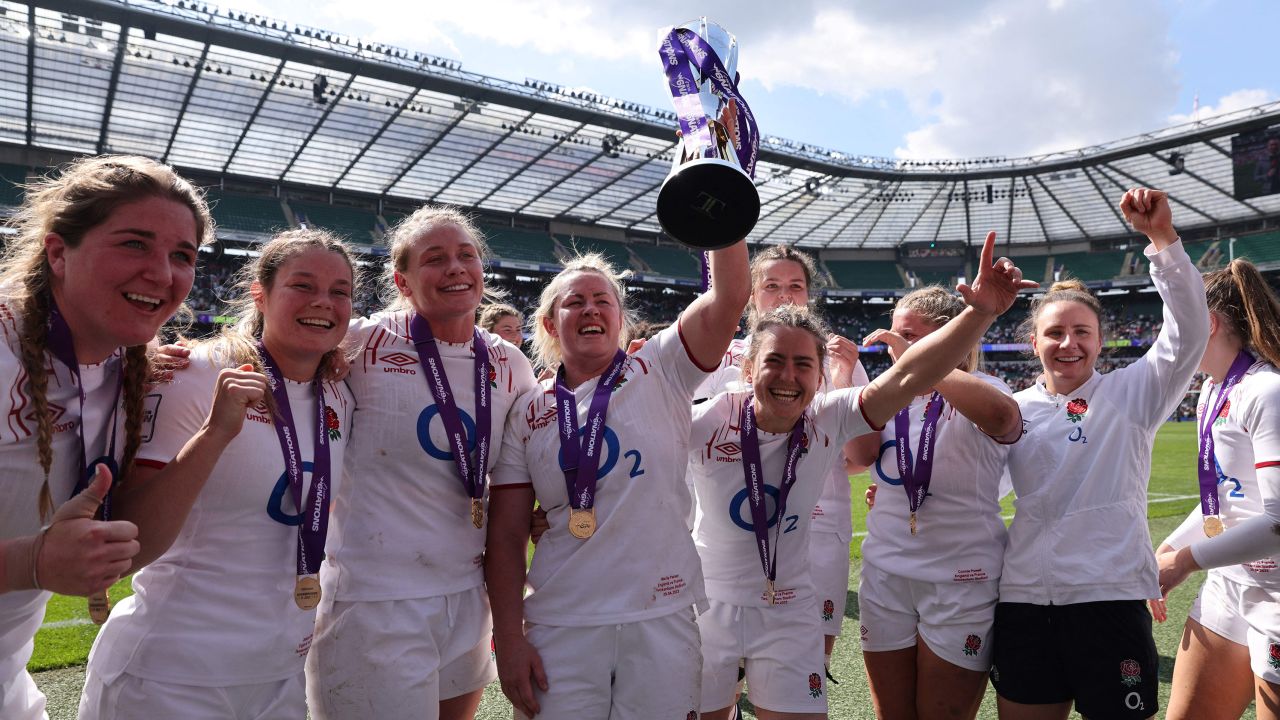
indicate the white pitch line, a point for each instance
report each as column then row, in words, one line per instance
column 1173, row 498
column 65, row 623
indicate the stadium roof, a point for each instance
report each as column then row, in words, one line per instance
column 234, row 94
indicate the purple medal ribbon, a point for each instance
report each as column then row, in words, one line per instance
column 1206, row 469
column 679, row 48
column 752, row 469
column 62, row 346
column 472, row 477
column 314, row 525
column 916, row 475
column 580, row 458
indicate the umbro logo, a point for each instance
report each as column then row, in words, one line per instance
column 728, row 452
column 55, row 413
column 399, row 359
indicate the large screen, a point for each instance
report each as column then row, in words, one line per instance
column 1255, row 163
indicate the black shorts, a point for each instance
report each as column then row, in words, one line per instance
column 1099, row 654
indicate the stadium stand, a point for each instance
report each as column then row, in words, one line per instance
column 520, row 244
column 1262, row 248
column 667, row 260
column 351, row 223
column 247, row 213
column 865, row 274
column 1090, row 265
column 615, row 252
column 11, row 177
column 1034, row 267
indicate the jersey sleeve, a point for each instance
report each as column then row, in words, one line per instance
column 845, row 406
column 512, row 469
column 1156, row 382
column 675, row 363
column 1190, row 531
column 177, row 410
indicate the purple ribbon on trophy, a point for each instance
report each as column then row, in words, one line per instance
column 682, row 51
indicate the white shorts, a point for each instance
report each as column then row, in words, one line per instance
column 829, row 568
column 634, row 671
column 20, row 699
column 782, row 647
column 1246, row 615
column 134, row 698
column 955, row 619
column 399, row 658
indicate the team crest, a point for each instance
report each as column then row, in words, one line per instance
column 332, row 424
column 1222, row 416
column 1076, row 410
column 617, row 385
column 972, row 645
column 693, row 715
column 1131, row 672
column 493, row 377
column 815, row 684
column 828, row 609
column 1273, row 655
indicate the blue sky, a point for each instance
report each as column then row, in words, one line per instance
column 896, row 78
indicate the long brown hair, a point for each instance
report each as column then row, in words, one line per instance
column 71, row 204
column 238, row 343
column 1240, row 295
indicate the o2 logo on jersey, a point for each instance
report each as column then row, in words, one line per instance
column 610, row 457
column 1223, row 479
column 740, row 511
column 890, row 450
column 1077, row 435
column 275, row 505
column 429, row 445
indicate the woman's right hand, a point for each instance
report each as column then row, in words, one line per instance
column 519, row 667
column 79, row 555
column 237, row 390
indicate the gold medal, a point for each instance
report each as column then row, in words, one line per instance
column 582, row 523
column 1212, row 526
column 306, row 593
column 477, row 513
column 769, row 593
column 913, row 523
column 99, row 607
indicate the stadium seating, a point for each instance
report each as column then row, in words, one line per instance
column 667, row 260
column 1034, row 267
column 865, row 274
column 1259, row 249
column 615, row 252
column 520, row 244
column 1090, row 265
column 944, row 278
column 11, row 176
column 247, row 213
column 353, row 224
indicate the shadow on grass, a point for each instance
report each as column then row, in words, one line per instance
column 851, row 605
column 1166, row 669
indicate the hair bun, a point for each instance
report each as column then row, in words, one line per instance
column 1069, row 284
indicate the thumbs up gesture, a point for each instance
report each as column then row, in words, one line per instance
column 76, row 555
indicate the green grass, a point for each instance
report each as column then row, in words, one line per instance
column 1172, row 477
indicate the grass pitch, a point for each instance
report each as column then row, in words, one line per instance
column 64, row 641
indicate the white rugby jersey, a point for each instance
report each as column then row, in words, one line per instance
column 217, row 607
column 727, row 375
column 640, row 563
column 1246, row 445
column 402, row 525
column 1079, row 530
column 959, row 534
column 21, row 612
column 724, row 535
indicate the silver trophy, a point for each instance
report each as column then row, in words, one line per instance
column 708, row 201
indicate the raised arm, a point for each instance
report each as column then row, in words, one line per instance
column 710, row 321
column 931, row 358
column 158, row 500
column 994, row 412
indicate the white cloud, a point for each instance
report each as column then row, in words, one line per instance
column 1238, row 100
column 985, row 77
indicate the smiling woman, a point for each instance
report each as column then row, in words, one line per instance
column 105, row 253
column 232, row 516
